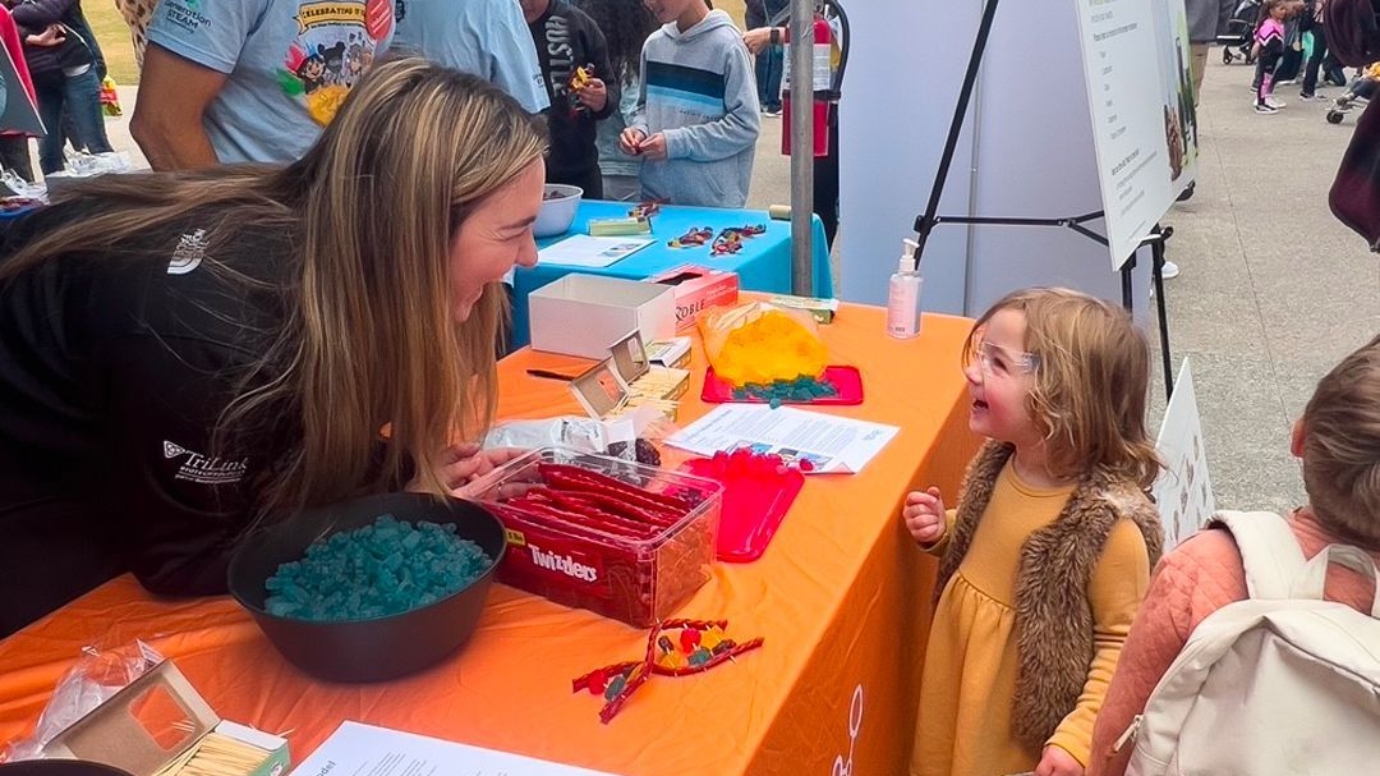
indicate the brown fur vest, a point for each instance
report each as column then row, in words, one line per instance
column 1054, row 622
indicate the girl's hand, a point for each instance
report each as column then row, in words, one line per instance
column 630, row 142
column 924, row 515
column 757, row 39
column 594, row 95
column 1057, row 762
column 654, row 147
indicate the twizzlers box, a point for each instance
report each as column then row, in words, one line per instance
column 586, row 531
column 697, row 289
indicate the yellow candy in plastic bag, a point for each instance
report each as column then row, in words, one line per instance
column 761, row 343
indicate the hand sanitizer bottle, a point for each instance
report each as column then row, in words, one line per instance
column 903, row 300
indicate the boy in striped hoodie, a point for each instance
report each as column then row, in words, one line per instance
column 697, row 118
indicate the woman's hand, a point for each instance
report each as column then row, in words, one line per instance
column 924, row 515
column 1057, row 762
column 463, row 465
column 630, row 142
column 593, row 95
column 757, row 40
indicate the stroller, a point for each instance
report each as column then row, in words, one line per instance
column 1240, row 34
column 1361, row 91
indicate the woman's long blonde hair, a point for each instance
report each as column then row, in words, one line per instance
column 1090, row 384
column 368, row 337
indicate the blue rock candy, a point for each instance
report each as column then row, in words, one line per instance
column 384, row 568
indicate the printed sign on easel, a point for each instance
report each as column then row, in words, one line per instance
column 1140, row 94
column 1183, row 491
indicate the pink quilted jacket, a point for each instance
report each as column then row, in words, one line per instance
column 1201, row 576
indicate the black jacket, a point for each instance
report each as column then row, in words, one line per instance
column 34, row 16
column 114, row 370
column 566, row 38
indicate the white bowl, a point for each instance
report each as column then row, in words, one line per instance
column 557, row 213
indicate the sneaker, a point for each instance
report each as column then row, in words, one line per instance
column 1266, row 108
column 1274, row 103
column 1170, row 270
column 1312, row 97
column 771, row 114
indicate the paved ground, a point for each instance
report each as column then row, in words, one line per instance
column 1273, row 292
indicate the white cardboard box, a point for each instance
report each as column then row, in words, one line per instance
column 584, row 315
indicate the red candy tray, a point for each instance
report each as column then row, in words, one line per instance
column 758, row 491
column 846, row 379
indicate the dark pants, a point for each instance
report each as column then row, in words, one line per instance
column 14, row 155
column 826, row 194
column 771, row 64
column 1265, row 71
column 1315, row 60
column 80, row 98
column 592, row 181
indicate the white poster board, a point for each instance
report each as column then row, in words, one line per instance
column 1183, row 491
column 1135, row 59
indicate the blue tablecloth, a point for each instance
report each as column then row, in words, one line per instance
column 764, row 263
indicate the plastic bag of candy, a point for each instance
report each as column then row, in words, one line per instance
column 760, row 343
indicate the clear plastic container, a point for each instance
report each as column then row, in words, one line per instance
column 639, row 567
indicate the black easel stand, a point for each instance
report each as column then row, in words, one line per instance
column 926, row 222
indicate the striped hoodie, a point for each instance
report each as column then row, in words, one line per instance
column 698, row 90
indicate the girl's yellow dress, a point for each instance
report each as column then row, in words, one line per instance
column 964, row 727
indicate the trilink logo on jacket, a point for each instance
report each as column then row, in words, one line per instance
column 204, row 470
column 564, row 564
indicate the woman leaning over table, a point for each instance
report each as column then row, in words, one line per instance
column 183, row 354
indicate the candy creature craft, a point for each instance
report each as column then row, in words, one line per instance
column 699, row 646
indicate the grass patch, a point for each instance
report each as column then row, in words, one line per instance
column 113, row 35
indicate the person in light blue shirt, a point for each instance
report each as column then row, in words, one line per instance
column 488, row 38
column 250, row 80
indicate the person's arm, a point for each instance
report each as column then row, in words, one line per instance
column 185, row 68
column 754, row 14
column 739, row 127
column 174, row 94
column 1118, row 585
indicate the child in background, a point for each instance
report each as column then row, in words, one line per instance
column 1048, row 555
column 697, row 123
column 1338, row 440
column 567, row 40
column 1268, row 48
column 626, row 24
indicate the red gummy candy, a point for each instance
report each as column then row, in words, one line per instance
column 689, row 639
column 597, row 682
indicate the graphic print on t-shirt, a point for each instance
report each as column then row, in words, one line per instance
column 335, row 44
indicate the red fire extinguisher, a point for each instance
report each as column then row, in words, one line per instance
column 825, row 88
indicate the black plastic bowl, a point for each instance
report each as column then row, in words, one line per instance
column 59, row 768
column 382, row 647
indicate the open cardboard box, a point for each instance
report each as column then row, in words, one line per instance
column 628, row 380
column 582, row 315
column 153, row 722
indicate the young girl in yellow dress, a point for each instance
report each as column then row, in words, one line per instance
column 1048, row 555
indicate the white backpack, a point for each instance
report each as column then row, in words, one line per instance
column 1283, row 683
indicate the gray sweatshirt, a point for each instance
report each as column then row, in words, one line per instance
column 698, row 90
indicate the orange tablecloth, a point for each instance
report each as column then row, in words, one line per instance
column 841, row 596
